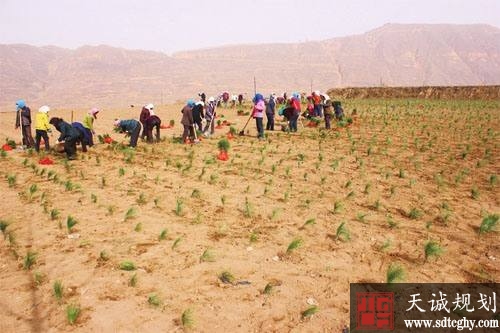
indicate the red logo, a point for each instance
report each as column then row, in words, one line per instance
column 375, row 311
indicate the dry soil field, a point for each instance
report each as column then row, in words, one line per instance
column 168, row 238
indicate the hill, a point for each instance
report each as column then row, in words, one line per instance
column 392, row 55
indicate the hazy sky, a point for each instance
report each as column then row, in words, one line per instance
column 170, row 26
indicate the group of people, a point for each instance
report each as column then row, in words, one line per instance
column 148, row 121
column 192, row 116
column 70, row 134
column 318, row 106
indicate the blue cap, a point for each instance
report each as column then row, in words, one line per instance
column 20, row 104
column 258, row 97
column 191, row 102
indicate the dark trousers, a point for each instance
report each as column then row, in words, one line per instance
column 82, row 139
column 134, row 135
column 199, row 124
column 27, row 138
column 318, row 110
column 149, row 131
column 260, row 127
column 328, row 118
column 89, row 137
column 270, row 121
column 70, row 147
column 293, row 123
column 39, row 134
column 188, row 131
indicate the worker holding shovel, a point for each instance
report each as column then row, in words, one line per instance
column 210, row 116
column 258, row 114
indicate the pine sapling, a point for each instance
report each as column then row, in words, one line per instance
column 207, row 256
column 29, row 260
column 130, row 214
column 3, row 227
column 70, row 223
column 294, row 244
column 254, row 237
column 415, row 213
column 187, row 318
column 309, row 222
column 127, row 266
column 488, row 224
column 141, row 200
column 58, row 290
column 72, row 313
column 227, row 277
column 179, row 207
column 432, row 249
column 11, row 180
column 163, row 235
column 133, row 280
column 176, row 243
column 386, row 245
column 338, row 206
column 474, row 193
column 391, row 223
column 395, row 273
column 268, row 289
column 310, row 311
column 342, row 233
column 103, row 255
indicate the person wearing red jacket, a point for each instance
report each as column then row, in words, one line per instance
column 295, row 103
column 145, row 114
column 318, row 107
column 153, row 122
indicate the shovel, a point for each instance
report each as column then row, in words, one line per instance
column 242, row 132
column 196, row 140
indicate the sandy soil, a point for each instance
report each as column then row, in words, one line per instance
column 245, row 212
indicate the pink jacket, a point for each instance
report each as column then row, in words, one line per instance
column 258, row 109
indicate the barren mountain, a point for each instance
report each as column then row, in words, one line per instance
column 392, row 55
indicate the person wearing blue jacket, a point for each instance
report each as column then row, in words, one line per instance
column 270, row 110
column 130, row 126
column 84, row 139
column 69, row 135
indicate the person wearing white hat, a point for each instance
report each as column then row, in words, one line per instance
column 210, row 116
column 198, row 114
column 42, row 126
